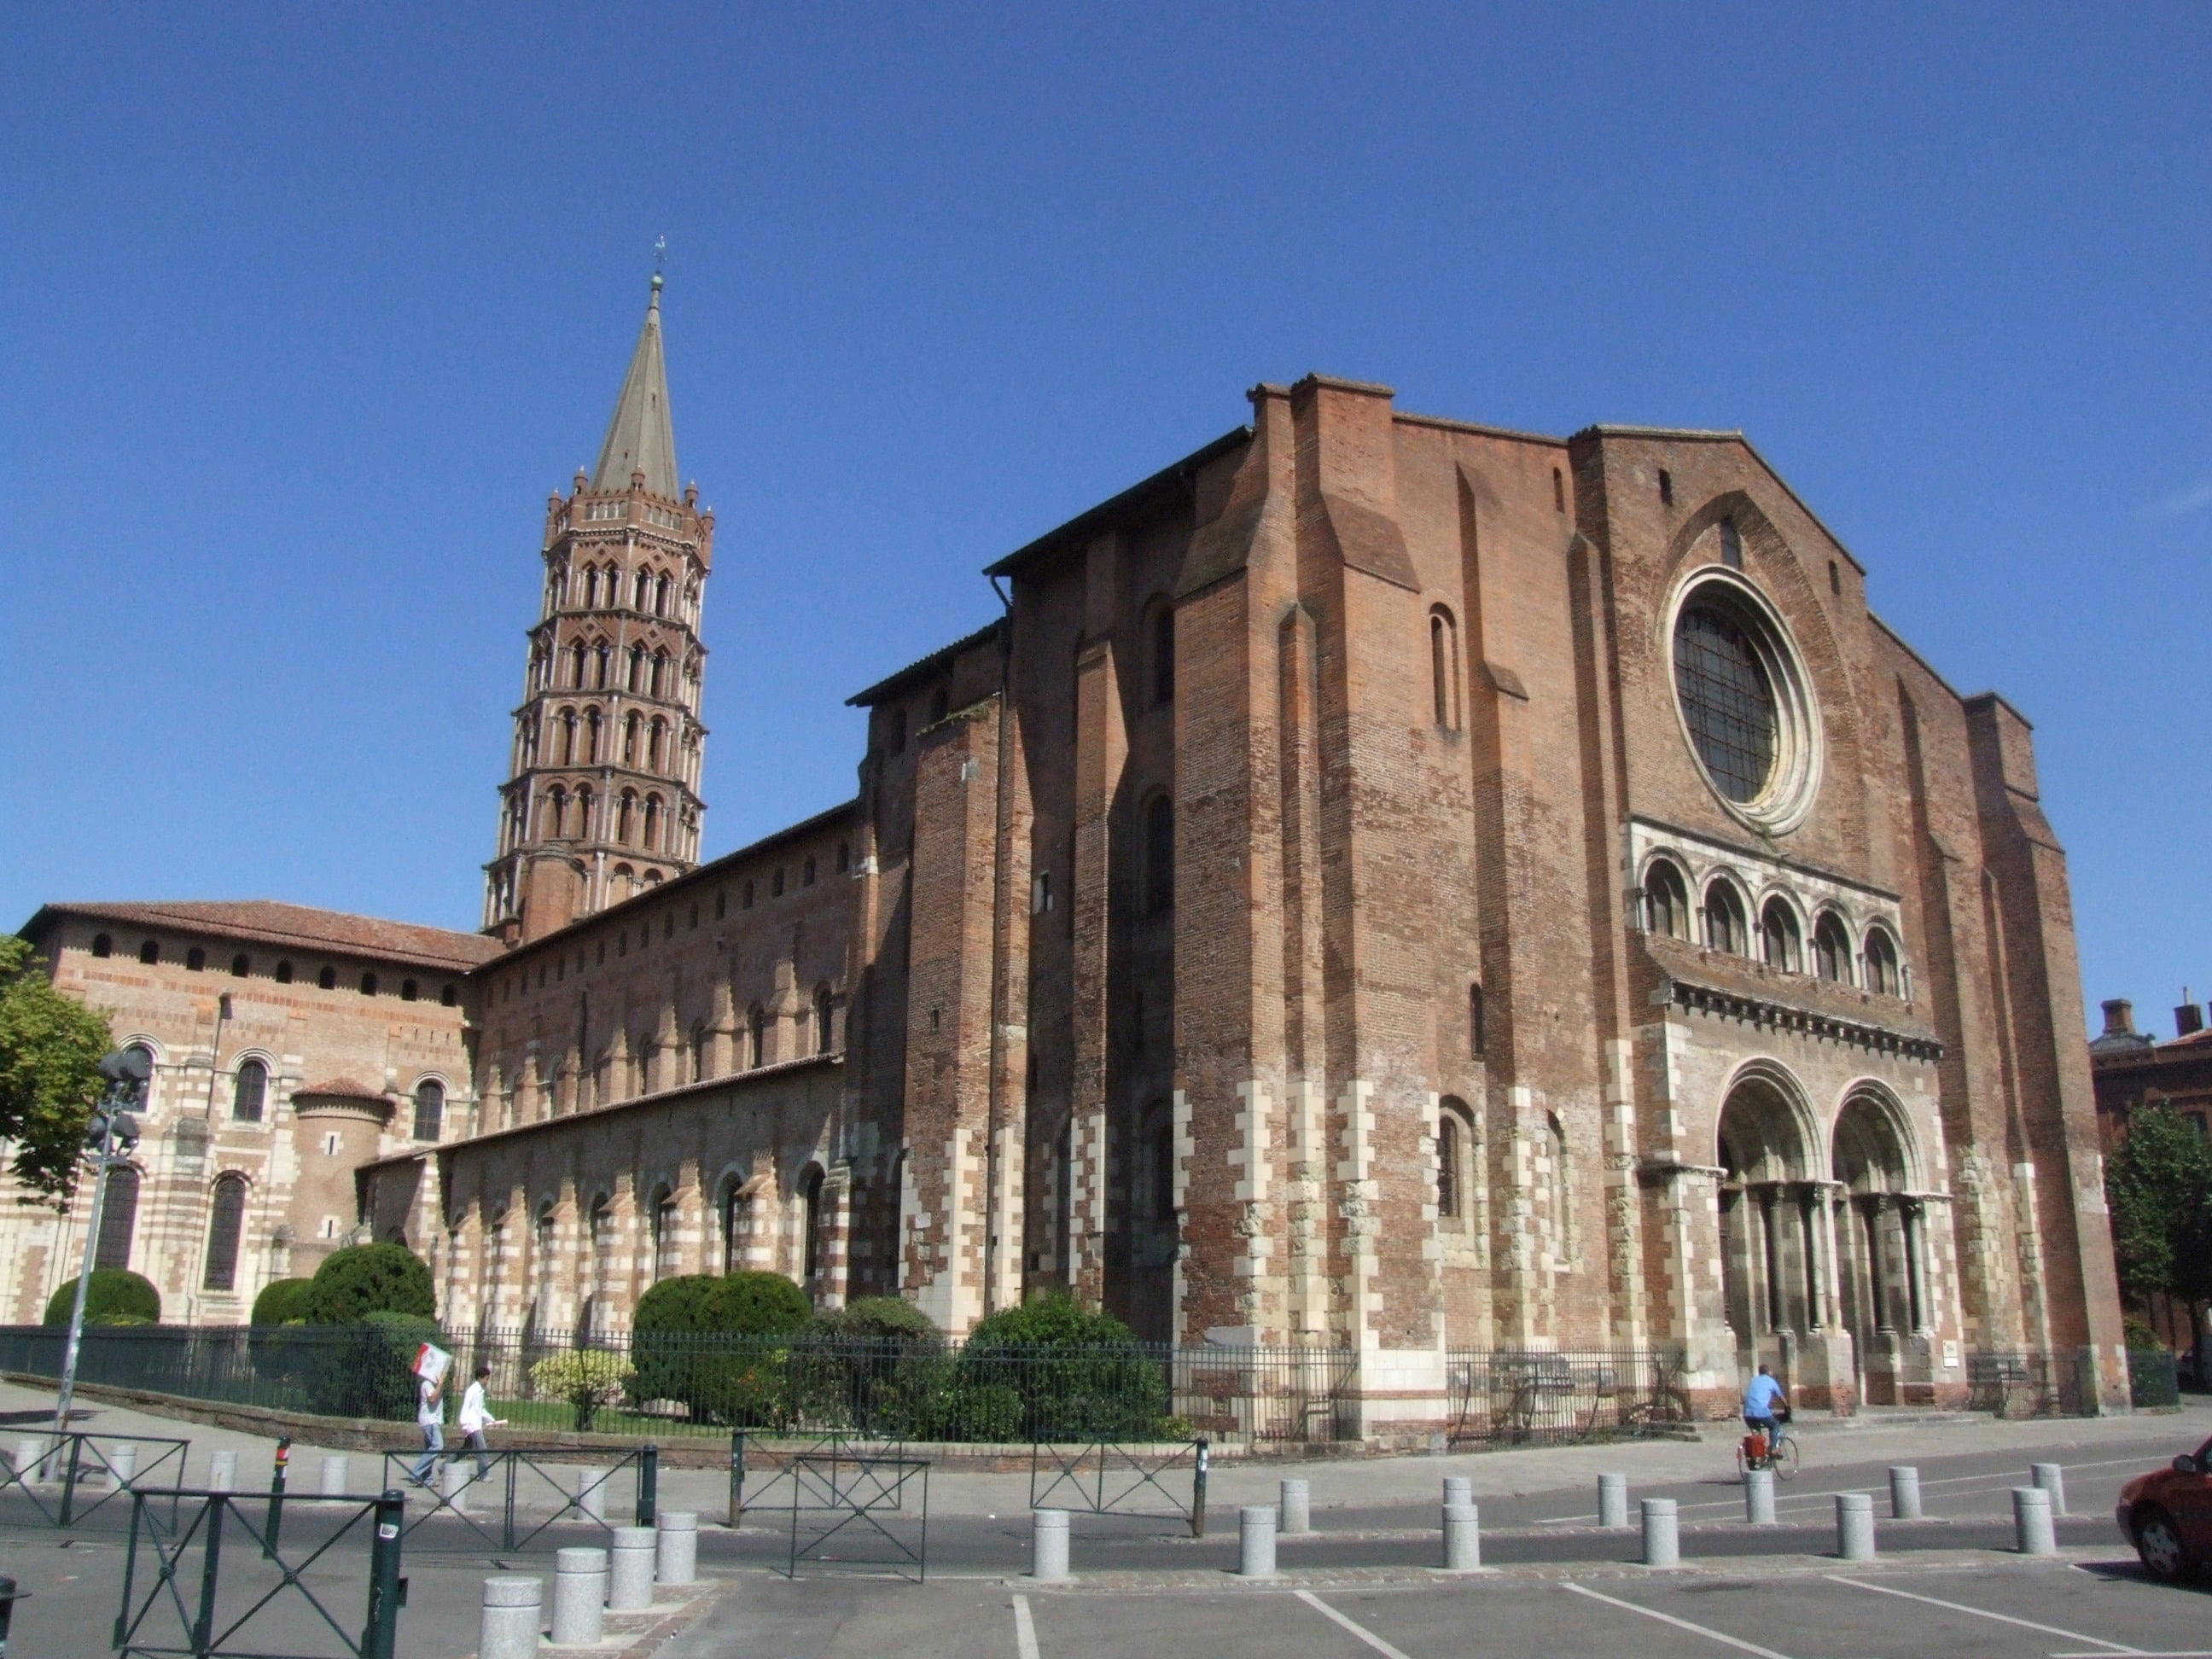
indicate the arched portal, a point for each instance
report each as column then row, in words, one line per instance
column 1882, row 1240
column 1773, row 1288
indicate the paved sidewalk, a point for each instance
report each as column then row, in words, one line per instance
column 1348, row 1483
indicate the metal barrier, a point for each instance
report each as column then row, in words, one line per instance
column 160, row 1619
column 858, row 1490
column 75, row 1462
column 2031, row 1382
column 780, row 1453
column 1110, row 1478
column 1519, row 1398
column 514, row 1470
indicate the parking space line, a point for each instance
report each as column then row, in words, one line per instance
column 1024, row 1628
column 1352, row 1625
column 2099, row 1642
column 1710, row 1635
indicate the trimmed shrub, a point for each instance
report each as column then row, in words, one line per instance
column 366, row 1278
column 688, row 1346
column 283, row 1301
column 881, row 1318
column 587, row 1378
column 115, row 1297
column 1079, row 1375
column 876, row 1364
column 366, row 1369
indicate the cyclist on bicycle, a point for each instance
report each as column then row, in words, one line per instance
column 1761, row 1396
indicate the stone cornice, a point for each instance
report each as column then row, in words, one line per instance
column 1693, row 998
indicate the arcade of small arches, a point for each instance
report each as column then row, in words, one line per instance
column 576, row 1265
column 1864, row 954
column 593, row 664
column 650, row 590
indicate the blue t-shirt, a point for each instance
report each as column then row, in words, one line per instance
column 1759, row 1396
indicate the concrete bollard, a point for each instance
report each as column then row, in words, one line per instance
column 1296, row 1509
column 2050, row 1478
column 1048, row 1545
column 676, row 1554
column 1854, row 1525
column 580, row 1596
column 1613, row 1501
column 337, row 1472
column 123, row 1466
column 2032, row 1533
column 1662, row 1538
column 453, row 1482
column 1255, row 1541
column 592, row 1493
column 1462, row 1538
column 508, row 1626
column 1904, row 1492
column 630, row 1569
column 30, row 1461
column 1759, row 1497
column 1459, row 1489
column 222, row 1471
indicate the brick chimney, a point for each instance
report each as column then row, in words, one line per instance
column 2189, row 1017
column 2119, row 1017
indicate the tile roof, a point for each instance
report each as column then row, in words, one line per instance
column 342, row 1088
column 269, row 922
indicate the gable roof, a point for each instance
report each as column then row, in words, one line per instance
column 270, row 921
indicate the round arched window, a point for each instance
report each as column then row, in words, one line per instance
column 1746, row 704
column 1726, row 701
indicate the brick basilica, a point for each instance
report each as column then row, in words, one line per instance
column 1384, row 882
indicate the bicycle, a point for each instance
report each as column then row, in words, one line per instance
column 1781, row 1453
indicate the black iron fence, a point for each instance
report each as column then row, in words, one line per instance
column 63, row 1479
column 2031, row 1382
column 2153, row 1377
column 655, row 1385
column 1543, row 1398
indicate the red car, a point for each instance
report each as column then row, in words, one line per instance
column 2168, row 1516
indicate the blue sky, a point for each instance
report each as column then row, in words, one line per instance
column 309, row 309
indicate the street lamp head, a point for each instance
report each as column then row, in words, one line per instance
column 126, row 1066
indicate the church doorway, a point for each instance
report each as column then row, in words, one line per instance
column 1770, row 1226
column 1880, row 1238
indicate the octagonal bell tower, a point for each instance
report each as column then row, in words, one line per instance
column 602, row 799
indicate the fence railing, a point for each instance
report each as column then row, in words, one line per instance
column 2031, row 1382
column 1547, row 1397
column 68, row 1477
column 656, row 1385
column 2153, row 1377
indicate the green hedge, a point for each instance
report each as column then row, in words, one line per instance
column 115, row 1297
column 282, row 1302
column 679, row 1344
column 367, row 1278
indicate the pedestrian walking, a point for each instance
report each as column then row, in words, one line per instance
column 430, row 1418
column 476, row 1417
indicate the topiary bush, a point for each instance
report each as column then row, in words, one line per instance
column 1081, row 1374
column 876, row 1364
column 587, row 1378
column 365, row 1278
column 366, row 1368
column 282, row 1302
column 115, row 1297
column 710, row 1343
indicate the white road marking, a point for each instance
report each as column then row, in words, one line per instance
column 1024, row 1630
column 2099, row 1642
column 1678, row 1624
column 1356, row 1628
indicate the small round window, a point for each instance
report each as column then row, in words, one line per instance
column 1745, row 701
column 1727, row 701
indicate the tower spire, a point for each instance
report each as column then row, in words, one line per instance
column 640, row 438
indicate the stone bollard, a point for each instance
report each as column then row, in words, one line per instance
column 1759, row 1497
column 1662, row 1539
column 1255, row 1541
column 1462, row 1538
column 2032, row 1533
column 122, row 1466
column 675, row 1555
column 509, row 1629
column 1048, row 1545
column 2050, row 1478
column 222, row 1471
column 592, row 1493
column 630, row 1571
column 1904, row 1492
column 1613, row 1501
column 1854, row 1525
column 1297, row 1508
column 1459, row 1489
column 453, row 1482
column 580, row 1596
column 338, row 1471
column 30, row 1461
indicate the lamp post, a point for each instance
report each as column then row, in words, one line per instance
column 110, row 1132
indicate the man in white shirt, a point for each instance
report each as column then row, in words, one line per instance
column 430, row 1418
column 475, row 1417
